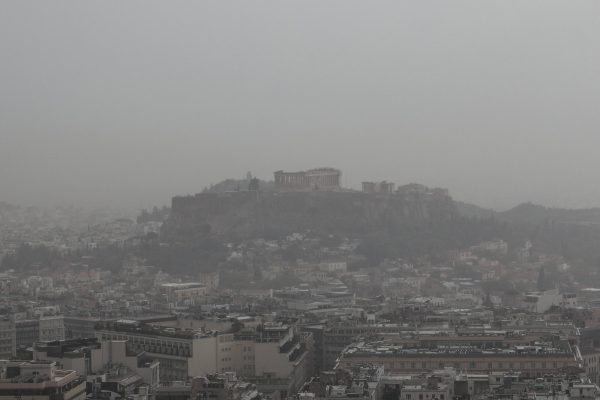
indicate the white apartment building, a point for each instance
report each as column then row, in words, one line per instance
column 275, row 352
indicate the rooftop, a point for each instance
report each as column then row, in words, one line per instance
column 394, row 350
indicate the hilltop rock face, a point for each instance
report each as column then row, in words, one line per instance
column 240, row 215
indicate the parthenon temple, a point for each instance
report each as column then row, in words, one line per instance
column 314, row 179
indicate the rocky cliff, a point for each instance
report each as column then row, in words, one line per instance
column 248, row 214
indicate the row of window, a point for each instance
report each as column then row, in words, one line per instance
column 475, row 365
column 409, row 396
column 144, row 340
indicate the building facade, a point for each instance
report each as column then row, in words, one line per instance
column 530, row 361
column 8, row 340
column 40, row 380
column 30, row 331
column 271, row 353
column 314, row 179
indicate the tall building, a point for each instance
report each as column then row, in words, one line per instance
column 272, row 356
column 42, row 329
column 80, row 327
column 8, row 340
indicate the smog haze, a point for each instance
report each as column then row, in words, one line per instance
column 130, row 103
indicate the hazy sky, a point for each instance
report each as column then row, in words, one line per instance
column 130, row 102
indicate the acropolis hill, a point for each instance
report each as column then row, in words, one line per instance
column 305, row 201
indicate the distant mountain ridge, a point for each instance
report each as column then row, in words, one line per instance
column 533, row 214
column 536, row 214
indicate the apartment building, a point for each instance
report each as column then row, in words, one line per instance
column 183, row 293
column 40, row 380
column 80, row 327
column 181, row 353
column 93, row 357
column 8, row 338
column 275, row 356
column 30, row 331
column 336, row 337
column 531, row 361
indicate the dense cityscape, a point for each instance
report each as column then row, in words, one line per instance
column 299, row 200
column 100, row 306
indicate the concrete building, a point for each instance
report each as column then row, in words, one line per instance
column 93, row 357
column 425, row 392
column 336, row 337
column 272, row 356
column 591, row 363
column 181, row 353
column 8, row 340
column 540, row 302
column 30, row 331
column 80, row 327
column 40, row 380
column 52, row 328
column 531, row 361
column 361, row 383
column 184, row 294
column 334, row 266
column 211, row 280
column 226, row 386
